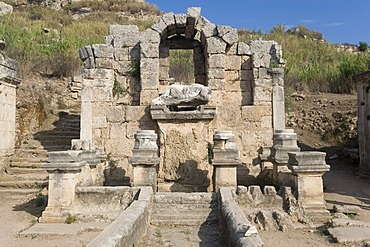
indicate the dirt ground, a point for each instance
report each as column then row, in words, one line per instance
column 342, row 185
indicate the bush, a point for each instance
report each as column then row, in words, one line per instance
column 363, row 46
column 182, row 65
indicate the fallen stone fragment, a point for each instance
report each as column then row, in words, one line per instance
column 350, row 235
column 347, row 209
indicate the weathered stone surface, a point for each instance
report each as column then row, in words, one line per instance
column 350, row 234
column 104, row 51
column 244, row 49
column 178, row 94
column 149, row 50
column 347, row 209
column 5, row 9
column 150, row 36
column 216, row 61
column 215, row 45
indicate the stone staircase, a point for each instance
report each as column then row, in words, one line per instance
column 24, row 173
column 184, row 219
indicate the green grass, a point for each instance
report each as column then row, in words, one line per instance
column 47, row 41
column 313, row 65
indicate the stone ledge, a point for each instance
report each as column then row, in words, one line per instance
column 202, row 112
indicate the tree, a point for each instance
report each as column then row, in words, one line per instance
column 363, row 46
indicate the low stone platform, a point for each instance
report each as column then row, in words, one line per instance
column 61, row 229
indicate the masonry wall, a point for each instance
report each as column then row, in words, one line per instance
column 245, row 89
column 363, row 105
column 8, row 85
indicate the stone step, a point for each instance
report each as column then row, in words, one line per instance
column 185, row 198
column 20, row 192
column 55, row 142
column 31, row 151
column 57, row 136
column 18, row 170
column 24, row 184
column 184, row 207
column 25, row 176
column 26, row 164
column 100, row 216
column 185, row 220
column 30, row 160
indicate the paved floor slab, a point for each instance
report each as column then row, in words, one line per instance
column 61, row 229
column 351, row 234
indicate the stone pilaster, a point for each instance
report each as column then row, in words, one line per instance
column 308, row 169
column 225, row 160
column 145, row 158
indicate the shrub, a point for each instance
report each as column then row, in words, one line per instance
column 182, row 65
column 363, row 46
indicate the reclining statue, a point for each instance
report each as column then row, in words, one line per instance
column 184, row 95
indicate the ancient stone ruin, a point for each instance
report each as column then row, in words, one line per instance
column 363, row 85
column 147, row 138
column 8, row 85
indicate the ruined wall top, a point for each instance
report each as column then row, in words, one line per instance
column 8, row 67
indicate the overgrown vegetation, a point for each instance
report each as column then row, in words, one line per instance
column 47, row 41
column 182, row 65
column 313, row 64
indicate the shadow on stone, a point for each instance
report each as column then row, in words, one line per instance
column 34, row 206
column 66, row 128
column 191, row 178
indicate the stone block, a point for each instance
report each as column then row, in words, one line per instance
column 127, row 39
column 231, row 113
column 164, row 73
column 169, row 19
column 233, row 62
column 98, row 74
column 146, row 96
column 102, row 51
column 149, row 50
column 160, row 27
column 256, row 113
column 262, row 95
column 231, row 37
column 86, row 52
column 99, row 122
column 180, row 20
column 244, row 49
column 98, row 83
column 137, row 113
column 194, row 12
column 121, row 54
column 101, row 94
column 150, row 36
column 215, row 45
column 209, row 30
column 120, row 147
column 216, row 84
column 232, row 80
column 216, row 61
column 104, row 63
column 117, row 130
column 216, row 74
column 116, row 114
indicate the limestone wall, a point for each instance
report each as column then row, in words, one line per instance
column 8, row 85
column 126, row 73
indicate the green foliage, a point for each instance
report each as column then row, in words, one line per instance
column 363, row 46
column 118, row 89
column 111, row 162
column 70, row 219
column 313, row 65
column 182, row 65
column 47, row 41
